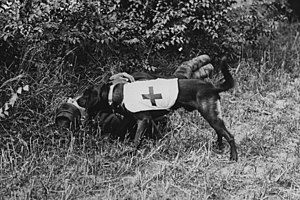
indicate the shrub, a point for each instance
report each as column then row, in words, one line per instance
column 255, row 26
column 92, row 32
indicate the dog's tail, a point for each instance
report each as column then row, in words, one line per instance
column 229, row 81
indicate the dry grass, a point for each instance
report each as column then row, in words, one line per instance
column 38, row 161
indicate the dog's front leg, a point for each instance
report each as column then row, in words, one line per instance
column 142, row 126
column 123, row 127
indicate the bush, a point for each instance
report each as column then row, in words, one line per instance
column 92, row 32
column 255, row 26
column 295, row 7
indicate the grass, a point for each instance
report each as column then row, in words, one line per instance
column 38, row 161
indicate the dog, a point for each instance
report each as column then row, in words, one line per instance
column 199, row 67
column 192, row 94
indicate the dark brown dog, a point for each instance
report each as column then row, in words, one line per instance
column 194, row 94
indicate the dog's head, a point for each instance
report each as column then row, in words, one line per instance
column 94, row 99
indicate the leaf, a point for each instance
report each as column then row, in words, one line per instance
column 26, row 88
column 6, row 106
column 5, row 37
column 6, row 113
column 13, row 99
column 132, row 41
column 19, row 91
column 1, row 113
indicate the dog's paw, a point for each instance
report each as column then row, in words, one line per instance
column 233, row 157
column 219, row 148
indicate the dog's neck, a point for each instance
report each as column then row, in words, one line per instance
column 110, row 94
column 117, row 94
column 104, row 90
column 113, row 96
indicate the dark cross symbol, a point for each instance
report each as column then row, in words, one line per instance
column 152, row 96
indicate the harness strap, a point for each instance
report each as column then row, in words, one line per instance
column 110, row 94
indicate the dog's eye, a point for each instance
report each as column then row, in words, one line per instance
column 81, row 102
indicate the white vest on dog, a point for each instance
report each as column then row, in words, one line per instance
column 158, row 94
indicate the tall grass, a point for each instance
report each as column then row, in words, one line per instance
column 275, row 61
column 39, row 161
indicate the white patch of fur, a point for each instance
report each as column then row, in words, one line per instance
column 218, row 109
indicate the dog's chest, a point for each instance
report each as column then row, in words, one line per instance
column 158, row 94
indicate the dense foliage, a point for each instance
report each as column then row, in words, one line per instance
column 255, row 26
column 133, row 31
column 95, row 31
column 295, row 6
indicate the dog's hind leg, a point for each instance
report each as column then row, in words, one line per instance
column 222, row 131
column 210, row 110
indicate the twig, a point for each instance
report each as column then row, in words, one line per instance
column 12, row 79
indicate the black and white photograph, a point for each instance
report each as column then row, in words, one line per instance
column 149, row 99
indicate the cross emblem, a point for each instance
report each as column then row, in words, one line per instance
column 152, row 96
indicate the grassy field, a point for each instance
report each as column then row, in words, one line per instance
column 39, row 161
